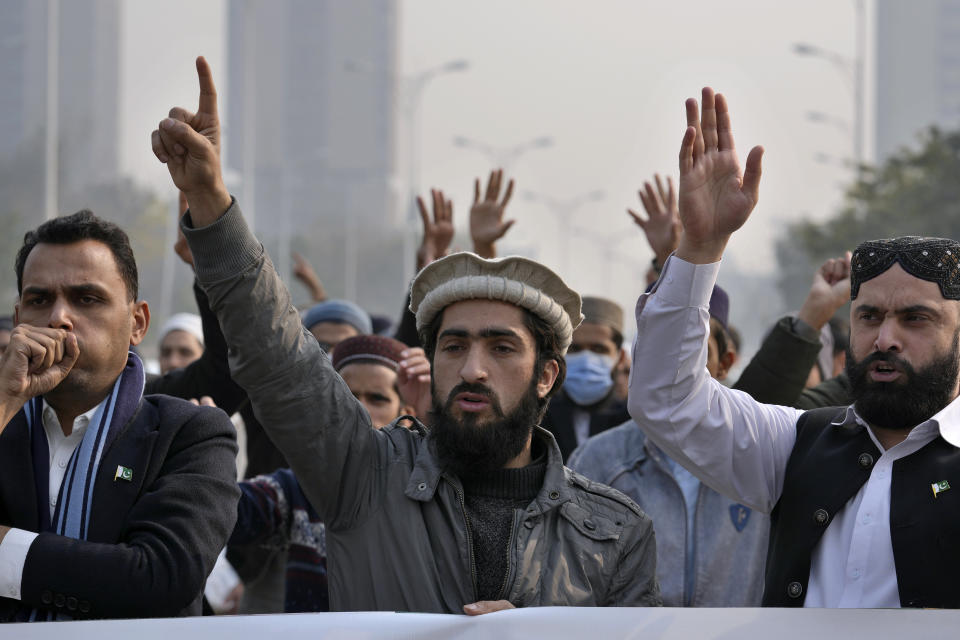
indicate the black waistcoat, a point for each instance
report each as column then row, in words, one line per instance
column 827, row 467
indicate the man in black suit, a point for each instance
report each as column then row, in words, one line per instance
column 112, row 504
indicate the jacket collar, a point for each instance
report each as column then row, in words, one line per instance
column 426, row 474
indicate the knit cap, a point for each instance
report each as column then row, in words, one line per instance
column 371, row 349
column 342, row 311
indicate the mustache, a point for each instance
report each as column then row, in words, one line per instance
column 886, row 357
column 471, row 387
column 477, row 388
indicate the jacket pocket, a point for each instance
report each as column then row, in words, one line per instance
column 591, row 525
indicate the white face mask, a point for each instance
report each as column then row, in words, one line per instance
column 589, row 377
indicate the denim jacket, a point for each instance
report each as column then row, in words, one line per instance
column 730, row 538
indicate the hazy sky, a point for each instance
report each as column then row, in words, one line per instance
column 605, row 79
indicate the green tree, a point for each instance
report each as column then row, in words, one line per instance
column 916, row 192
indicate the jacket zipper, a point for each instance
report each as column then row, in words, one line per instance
column 466, row 521
column 510, row 548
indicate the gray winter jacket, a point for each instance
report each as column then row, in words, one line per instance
column 730, row 538
column 397, row 534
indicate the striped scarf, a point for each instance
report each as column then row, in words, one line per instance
column 71, row 517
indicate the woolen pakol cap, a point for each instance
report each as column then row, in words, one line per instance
column 515, row 280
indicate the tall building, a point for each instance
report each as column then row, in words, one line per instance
column 309, row 135
column 918, row 70
column 85, row 76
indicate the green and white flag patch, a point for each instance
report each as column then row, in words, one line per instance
column 939, row 487
column 123, row 473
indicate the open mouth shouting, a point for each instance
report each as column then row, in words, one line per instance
column 884, row 371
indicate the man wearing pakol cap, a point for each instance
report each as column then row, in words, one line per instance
column 480, row 514
column 862, row 509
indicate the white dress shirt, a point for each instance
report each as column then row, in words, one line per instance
column 16, row 544
column 741, row 447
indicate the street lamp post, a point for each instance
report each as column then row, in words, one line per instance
column 825, row 118
column 411, row 90
column 565, row 209
column 503, row 157
column 249, row 124
column 605, row 244
column 51, row 159
column 853, row 71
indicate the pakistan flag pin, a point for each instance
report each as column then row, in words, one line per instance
column 123, row 473
column 939, row 487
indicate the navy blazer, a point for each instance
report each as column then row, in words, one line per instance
column 154, row 539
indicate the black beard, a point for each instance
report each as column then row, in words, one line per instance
column 467, row 448
column 901, row 406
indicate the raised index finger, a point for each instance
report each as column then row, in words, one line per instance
column 208, row 91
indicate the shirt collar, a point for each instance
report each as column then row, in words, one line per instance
column 946, row 421
column 51, row 422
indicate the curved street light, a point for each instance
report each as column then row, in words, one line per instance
column 410, row 89
column 503, row 157
column 565, row 209
column 852, row 70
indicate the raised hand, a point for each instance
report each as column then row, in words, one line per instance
column 830, row 291
column 662, row 224
column 36, row 360
column 413, row 381
column 438, row 233
column 305, row 273
column 180, row 247
column 189, row 144
column 715, row 197
column 486, row 216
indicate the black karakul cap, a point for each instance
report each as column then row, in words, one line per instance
column 933, row 259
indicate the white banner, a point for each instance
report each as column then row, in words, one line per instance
column 555, row 623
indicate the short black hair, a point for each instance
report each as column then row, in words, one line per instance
column 83, row 225
column 545, row 338
column 719, row 333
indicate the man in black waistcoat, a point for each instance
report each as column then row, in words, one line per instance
column 862, row 509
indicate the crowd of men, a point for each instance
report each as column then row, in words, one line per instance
column 495, row 446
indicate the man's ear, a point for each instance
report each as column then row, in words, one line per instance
column 140, row 322
column 621, row 360
column 547, row 377
column 726, row 361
